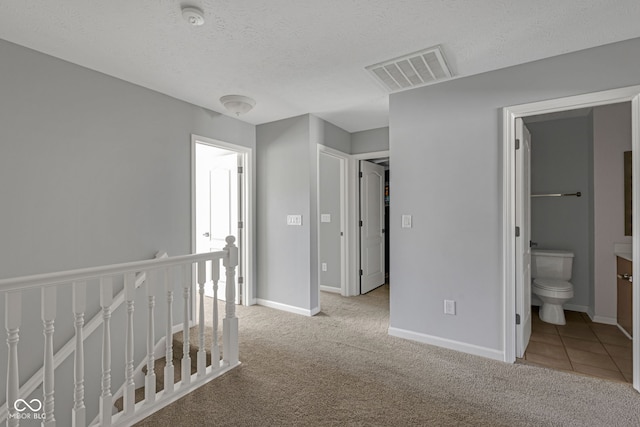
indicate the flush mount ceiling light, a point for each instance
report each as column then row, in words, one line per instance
column 193, row 16
column 237, row 104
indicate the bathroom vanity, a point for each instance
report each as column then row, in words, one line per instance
column 624, row 274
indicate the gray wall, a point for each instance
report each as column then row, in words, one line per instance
column 93, row 171
column 369, row 141
column 329, row 233
column 611, row 138
column 560, row 154
column 283, row 188
column 287, row 159
column 446, row 145
column 330, row 135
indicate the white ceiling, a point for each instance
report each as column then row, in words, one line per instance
column 305, row 56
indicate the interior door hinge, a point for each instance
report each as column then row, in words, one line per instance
column 517, row 231
column 360, row 223
column 240, row 280
column 517, row 144
column 240, row 224
column 361, row 272
column 240, row 169
column 517, row 319
column 360, row 174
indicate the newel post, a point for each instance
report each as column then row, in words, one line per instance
column 230, row 321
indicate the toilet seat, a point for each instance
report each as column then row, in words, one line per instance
column 553, row 285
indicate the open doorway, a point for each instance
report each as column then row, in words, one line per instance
column 373, row 222
column 340, row 245
column 221, row 204
column 515, row 219
column 576, row 182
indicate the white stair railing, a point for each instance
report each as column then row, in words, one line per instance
column 76, row 342
column 160, row 282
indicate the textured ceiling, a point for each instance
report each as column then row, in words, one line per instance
column 305, row 56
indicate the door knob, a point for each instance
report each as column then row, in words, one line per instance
column 206, row 234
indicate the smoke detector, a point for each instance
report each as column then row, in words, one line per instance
column 237, row 104
column 193, row 16
column 416, row 69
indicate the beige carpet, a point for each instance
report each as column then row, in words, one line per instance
column 340, row 368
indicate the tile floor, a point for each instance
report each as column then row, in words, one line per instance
column 581, row 346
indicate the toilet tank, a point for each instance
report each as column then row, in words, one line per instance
column 551, row 264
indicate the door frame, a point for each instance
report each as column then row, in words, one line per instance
column 509, row 114
column 247, row 199
column 356, row 211
column 345, row 225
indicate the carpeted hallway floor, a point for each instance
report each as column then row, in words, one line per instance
column 341, row 368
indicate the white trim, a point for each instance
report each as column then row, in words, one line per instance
column 509, row 115
column 604, row 320
column 446, row 343
column 249, row 213
column 623, row 331
column 330, row 289
column 288, row 308
column 371, row 155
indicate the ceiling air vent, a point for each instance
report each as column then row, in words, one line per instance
column 413, row 70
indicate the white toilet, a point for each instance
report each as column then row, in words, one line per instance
column 551, row 271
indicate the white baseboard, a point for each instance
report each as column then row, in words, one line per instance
column 446, row 343
column 330, row 289
column 289, row 308
column 604, row 319
column 624, row 332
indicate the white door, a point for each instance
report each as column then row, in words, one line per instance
column 523, row 241
column 372, row 226
column 216, row 204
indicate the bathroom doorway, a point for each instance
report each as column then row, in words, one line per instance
column 511, row 206
column 577, row 212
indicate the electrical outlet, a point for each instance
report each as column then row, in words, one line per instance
column 325, row 218
column 449, row 307
column 324, row 266
column 406, row 221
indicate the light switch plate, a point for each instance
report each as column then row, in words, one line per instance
column 406, row 221
column 294, row 219
column 325, row 218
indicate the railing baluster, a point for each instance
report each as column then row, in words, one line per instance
column 202, row 353
column 168, row 367
column 106, row 401
column 12, row 318
column 215, row 346
column 129, row 399
column 105, row 275
column 48, row 309
column 79, row 416
column 186, row 357
column 150, row 379
column 230, row 322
